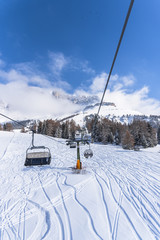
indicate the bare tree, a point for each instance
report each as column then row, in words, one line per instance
column 128, row 141
column 8, row 127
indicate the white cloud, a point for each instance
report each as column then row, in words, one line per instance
column 2, row 63
column 33, row 102
column 57, row 63
column 27, row 92
column 128, row 80
column 98, row 83
column 29, row 73
column 121, row 82
column 84, row 66
column 62, row 84
column 137, row 100
column 120, row 93
column 114, row 77
column 81, row 92
column 116, row 82
column 13, row 76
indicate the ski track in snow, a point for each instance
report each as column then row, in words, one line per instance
column 116, row 197
column 108, row 222
column 66, row 211
column 61, row 225
column 143, row 211
column 83, row 208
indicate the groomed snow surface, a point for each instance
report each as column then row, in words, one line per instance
column 116, row 196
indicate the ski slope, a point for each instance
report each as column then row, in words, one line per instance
column 117, row 196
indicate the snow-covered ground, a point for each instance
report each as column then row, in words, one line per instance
column 110, row 112
column 117, row 196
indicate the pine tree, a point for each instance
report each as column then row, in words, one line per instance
column 89, row 124
column 43, row 128
column 111, row 138
column 121, row 130
column 40, row 127
column 144, row 134
column 72, row 129
column 105, row 133
column 66, row 130
column 96, row 130
column 63, row 130
column 4, row 127
column 58, row 133
column 158, row 135
column 116, row 138
column 144, row 141
column 152, row 138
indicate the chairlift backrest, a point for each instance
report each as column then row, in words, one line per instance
column 78, row 136
column 87, row 137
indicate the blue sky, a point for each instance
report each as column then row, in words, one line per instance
column 68, row 44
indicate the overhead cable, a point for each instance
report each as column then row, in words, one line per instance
column 115, row 56
column 22, row 125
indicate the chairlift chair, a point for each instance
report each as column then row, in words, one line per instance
column 37, row 155
column 78, row 136
column 68, row 142
column 73, row 145
column 88, row 153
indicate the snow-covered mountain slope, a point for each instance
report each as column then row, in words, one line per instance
column 108, row 110
column 113, row 113
column 116, row 197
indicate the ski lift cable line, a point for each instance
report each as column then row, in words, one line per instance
column 115, row 56
column 22, row 125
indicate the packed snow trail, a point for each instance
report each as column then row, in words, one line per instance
column 117, row 197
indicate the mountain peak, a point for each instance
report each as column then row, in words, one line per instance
column 80, row 100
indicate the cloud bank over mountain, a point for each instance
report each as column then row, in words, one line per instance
column 26, row 91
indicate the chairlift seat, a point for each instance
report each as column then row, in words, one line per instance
column 88, row 153
column 72, row 145
column 35, row 157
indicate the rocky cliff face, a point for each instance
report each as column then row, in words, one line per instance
column 80, row 100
